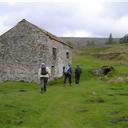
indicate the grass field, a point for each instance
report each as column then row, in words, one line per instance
column 98, row 102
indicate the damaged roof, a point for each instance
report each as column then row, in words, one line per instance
column 51, row 36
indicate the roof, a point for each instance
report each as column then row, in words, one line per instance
column 51, row 36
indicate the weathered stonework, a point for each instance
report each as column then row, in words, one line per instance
column 24, row 47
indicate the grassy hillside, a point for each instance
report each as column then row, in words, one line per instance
column 98, row 102
column 83, row 41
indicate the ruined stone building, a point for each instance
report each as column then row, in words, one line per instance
column 24, row 47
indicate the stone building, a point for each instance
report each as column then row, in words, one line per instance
column 24, row 47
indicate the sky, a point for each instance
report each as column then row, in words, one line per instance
column 70, row 18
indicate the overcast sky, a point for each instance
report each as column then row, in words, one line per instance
column 76, row 18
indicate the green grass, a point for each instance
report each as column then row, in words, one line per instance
column 95, row 103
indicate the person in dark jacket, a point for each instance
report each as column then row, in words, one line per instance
column 67, row 73
column 77, row 74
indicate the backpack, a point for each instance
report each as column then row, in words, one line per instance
column 43, row 70
column 67, row 71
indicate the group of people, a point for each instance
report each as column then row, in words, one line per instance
column 67, row 74
column 45, row 73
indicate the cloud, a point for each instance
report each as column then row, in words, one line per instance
column 78, row 18
column 3, row 27
column 76, row 33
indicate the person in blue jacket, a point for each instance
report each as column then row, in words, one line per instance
column 67, row 73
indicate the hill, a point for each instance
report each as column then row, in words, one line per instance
column 98, row 101
column 83, row 41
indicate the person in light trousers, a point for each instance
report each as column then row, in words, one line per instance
column 43, row 75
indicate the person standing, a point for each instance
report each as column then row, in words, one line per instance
column 68, row 74
column 44, row 75
column 77, row 74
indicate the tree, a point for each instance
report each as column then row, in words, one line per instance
column 90, row 43
column 124, row 39
column 110, row 39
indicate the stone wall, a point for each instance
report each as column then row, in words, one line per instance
column 24, row 48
